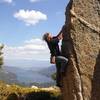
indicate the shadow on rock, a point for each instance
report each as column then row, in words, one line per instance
column 95, row 93
column 33, row 96
column 13, row 96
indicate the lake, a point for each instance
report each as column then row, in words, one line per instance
column 29, row 73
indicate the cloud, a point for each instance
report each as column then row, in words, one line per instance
column 31, row 49
column 34, row 1
column 7, row 1
column 30, row 17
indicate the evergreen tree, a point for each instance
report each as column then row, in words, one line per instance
column 1, row 57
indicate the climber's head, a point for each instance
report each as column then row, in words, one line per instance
column 47, row 37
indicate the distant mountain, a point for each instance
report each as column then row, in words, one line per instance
column 8, row 77
column 28, row 76
column 48, row 71
column 27, row 64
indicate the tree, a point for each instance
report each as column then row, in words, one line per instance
column 53, row 76
column 1, row 57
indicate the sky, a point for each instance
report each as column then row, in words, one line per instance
column 22, row 24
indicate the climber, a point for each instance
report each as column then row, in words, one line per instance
column 56, row 57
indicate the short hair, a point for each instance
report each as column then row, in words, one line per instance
column 45, row 36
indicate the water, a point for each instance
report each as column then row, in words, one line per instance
column 39, row 73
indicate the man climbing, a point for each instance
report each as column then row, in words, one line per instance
column 56, row 57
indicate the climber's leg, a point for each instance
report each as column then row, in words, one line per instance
column 58, row 74
column 60, row 66
column 62, row 61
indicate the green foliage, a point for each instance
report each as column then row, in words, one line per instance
column 1, row 46
column 1, row 57
column 53, row 76
column 1, row 60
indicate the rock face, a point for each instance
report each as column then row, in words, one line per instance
column 81, row 45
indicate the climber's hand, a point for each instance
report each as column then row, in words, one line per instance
column 52, row 59
column 60, row 36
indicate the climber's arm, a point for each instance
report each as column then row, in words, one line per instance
column 60, row 34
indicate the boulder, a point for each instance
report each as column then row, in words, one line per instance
column 81, row 45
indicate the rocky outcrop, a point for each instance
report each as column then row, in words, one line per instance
column 81, row 45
